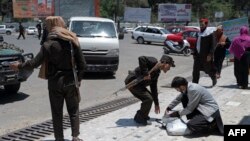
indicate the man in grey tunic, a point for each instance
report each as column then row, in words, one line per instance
column 200, row 107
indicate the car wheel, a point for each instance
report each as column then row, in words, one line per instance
column 8, row 33
column 12, row 88
column 148, row 42
column 187, row 51
column 140, row 40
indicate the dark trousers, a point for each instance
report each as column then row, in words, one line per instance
column 241, row 68
column 197, row 122
column 144, row 95
column 218, row 60
column 39, row 34
column 21, row 34
column 207, row 67
column 57, row 98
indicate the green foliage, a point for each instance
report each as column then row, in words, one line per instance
column 107, row 8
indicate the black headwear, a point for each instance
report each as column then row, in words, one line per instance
column 167, row 60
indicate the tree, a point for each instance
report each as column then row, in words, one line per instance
column 6, row 8
column 107, row 8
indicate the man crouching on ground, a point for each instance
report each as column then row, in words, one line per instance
column 200, row 107
column 148, row 79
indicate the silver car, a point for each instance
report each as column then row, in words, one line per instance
column 31, row 30
column 150, row 34
column 4, row 29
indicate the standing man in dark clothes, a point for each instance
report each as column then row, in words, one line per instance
column 39, row 29
column 45, row 34
column 200, row 107
column 55, row 58
column 204, row 52
column 141, row 92
column 21, row 31
column 223, row 44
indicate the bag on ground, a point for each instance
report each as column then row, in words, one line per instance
column 175, row 126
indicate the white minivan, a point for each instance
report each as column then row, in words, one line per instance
column 99, row 41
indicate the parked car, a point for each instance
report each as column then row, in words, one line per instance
column 149, row 34
column 128, row 29
column 11, row 79
column 4, row 29
column 31, row 30
column 189, row 34
column 178, row 29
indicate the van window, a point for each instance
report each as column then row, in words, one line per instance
column 93, row 29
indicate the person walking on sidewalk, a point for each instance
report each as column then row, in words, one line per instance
column 140, row 91
column 55, row 57
column 204, row 52
column 223, row 44
column 39, row 29
column 21, row 31
column 200, row 107
column 240, row 48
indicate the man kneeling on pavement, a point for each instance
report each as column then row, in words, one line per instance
column 200, row 108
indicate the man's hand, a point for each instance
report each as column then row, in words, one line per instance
column 14, row 66
column 147, row 77
column 157, row 109
column 167, row 110
column 174, row 114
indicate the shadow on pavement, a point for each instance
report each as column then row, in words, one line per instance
column 9, row 98
column 202, row 135
column 245, row 120
column 98, row 75
column 152, row 44
column 125, row 122
column 230, row 86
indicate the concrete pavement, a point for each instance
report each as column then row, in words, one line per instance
column 119, row 125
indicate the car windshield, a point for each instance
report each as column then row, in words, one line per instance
column 93, row 29
column 165, row 31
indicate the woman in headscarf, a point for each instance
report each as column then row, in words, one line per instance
column 55, row 58
column 240, row 48
column 223, row 43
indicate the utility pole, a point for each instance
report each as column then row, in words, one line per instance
column 116, row 10
column 117, row 14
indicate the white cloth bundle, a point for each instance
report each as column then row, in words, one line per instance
column 175, row 126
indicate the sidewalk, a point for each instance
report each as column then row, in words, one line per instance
column 119, row 125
